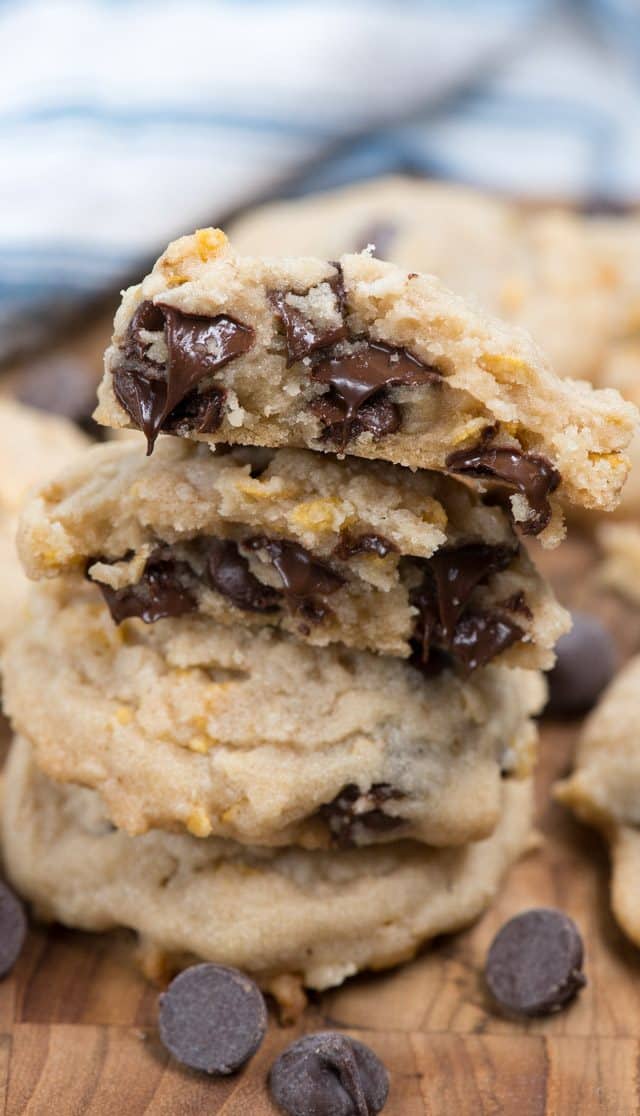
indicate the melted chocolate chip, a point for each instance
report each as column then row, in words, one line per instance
column 586, row 662
column 378, row 416
column 166, row 588
column 13, row 929
column 228, row 572
column 197, row 347
column 353, row 810
column 534, row 966
column 381, row 234
column 306, row 581
column 445, row 623
column 200, row 412
column 356, row 378
column 303, row 336
column 528, row 473
column 351, row 545
column 329, row 1074
column 212, row 1018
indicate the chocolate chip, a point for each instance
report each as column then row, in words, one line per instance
column 329, row 1074
column 446, row 624
column 302, row 335
column 353, row 811
column 378, row 416
column 306, row 581
column 197, row 346
column 212, row 1018
column 528, row 473
column 370, row 369
column 200, row 412
column 534, row 965
column 586, row 662
column 228, row 572
column 350, row 545
column 165, row 589
column 13, row 928
column 382, row 235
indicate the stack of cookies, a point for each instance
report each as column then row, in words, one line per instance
column 273, row 696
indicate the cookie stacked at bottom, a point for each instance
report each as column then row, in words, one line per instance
column 258, row 784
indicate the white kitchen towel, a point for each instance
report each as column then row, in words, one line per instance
column 126, row 122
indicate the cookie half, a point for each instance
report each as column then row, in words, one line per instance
column 318, row 917
column 358, row 357
column 251, row 735
column 604, row 789
column 355, row 552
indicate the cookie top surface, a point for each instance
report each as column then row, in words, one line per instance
column 252, row 735
column 320, row 915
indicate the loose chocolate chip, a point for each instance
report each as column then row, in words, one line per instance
column 446, row 624
column 228, row 572
column 351, row 545
column 528, row 473
column 165, row 589
column 534, row 965
column 382, row 235
column 13, row 928
column 329, row 1074
column 586, row 662
column 197, row 347
column 353, row 811
column 212, row 1018
column 357, row 377
column 302, row 335
column 306, row 581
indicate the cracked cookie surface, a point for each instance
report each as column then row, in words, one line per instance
column 316, row 917
column 249, row 734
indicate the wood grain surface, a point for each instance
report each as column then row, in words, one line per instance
column 78, row 1022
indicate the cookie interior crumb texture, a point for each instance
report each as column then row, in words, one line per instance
column 364, row 358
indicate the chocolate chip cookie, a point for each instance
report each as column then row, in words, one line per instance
column 359, row 357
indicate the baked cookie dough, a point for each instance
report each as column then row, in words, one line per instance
column 317, row 917
column 254, row 736
column 367, row 554
column 358, row 357
column 571, row 280
column 33, row 446
column 604, row 789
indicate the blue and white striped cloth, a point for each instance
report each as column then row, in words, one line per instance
column 125, row 122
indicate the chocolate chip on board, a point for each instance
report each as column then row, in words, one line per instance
column 212, row 1018
column 586, row 662
column 528, row 473
column 534, row 965
column 329, row 1074
column 13, row 928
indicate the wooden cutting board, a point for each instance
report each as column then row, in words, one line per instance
column 77, row 1021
